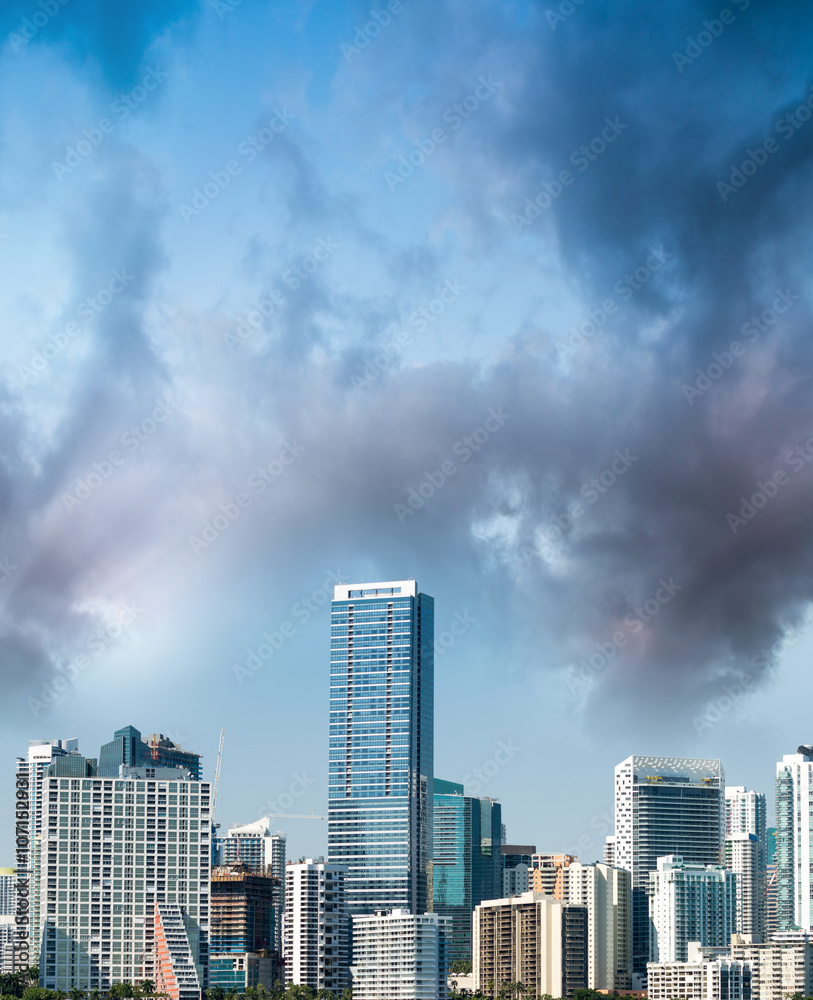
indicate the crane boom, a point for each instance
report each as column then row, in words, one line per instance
column 294, row 816
column 217, row 771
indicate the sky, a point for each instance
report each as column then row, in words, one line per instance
column 513, row 299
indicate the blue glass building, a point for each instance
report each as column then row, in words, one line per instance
column 382, row 744
column 467, row 867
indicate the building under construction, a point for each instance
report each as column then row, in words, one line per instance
column 243, row 929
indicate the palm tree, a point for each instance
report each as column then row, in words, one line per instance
column 76, row 993
column 147, row 987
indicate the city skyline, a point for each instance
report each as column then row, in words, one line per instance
column 297, row 296
column 304, row 790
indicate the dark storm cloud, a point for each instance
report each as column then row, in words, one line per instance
column 604, row 421
column 680, row 126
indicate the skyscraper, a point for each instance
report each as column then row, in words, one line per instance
column 242, row 928
column 690, row 903
column 467, row 865
column 317, row 926
column 116, row 850
column 664, row 805
column 261, row 851
column 531, row 939
column 382, row 744
column 606, row 893
column 400, row 955
column 746, row 854
column 128, row 747
column 31, row 770
column 794, row 839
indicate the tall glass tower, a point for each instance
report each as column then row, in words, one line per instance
column 467, row 865
column 382, row 744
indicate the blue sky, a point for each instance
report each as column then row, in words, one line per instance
column 270, row 269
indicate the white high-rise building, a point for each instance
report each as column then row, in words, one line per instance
column 664, row 805
column 316, row 927
column 254, row 844
column 794, row 839
column 607, row 894
column 746, row 854
column 28, row 828
column 113, row 851
column 690, row 903
column 399, row 955
column 743, row 858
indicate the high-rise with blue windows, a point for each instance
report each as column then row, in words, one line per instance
column 467, row 867
column 382, row 744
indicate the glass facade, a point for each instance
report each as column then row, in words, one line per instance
column 467, row 864
column 665, row 805
column 382, row 744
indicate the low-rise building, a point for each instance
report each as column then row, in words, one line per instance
column 781, row 966
column 705, row 976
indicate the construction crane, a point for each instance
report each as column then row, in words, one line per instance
column 215, row 826
column 294, row 816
